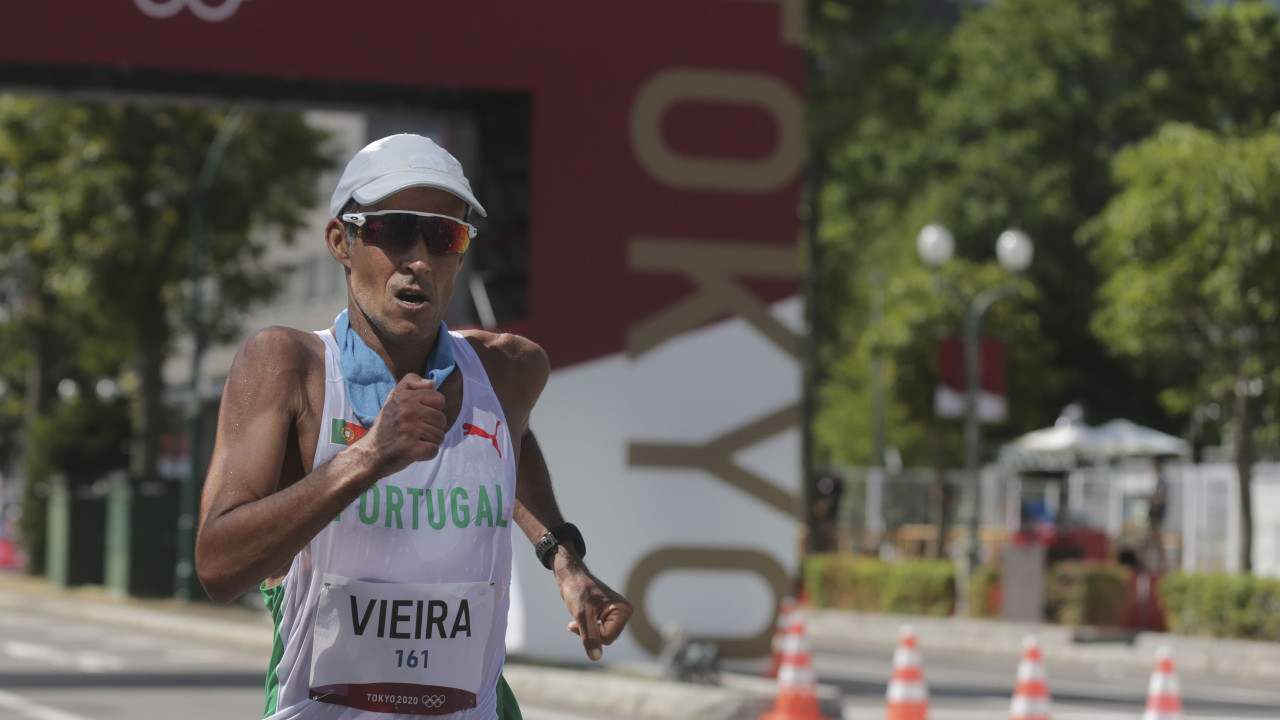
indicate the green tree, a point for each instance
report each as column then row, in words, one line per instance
column 1010, row 116
column 95, row 248
column 869, row 63
column 1192, row 265
column 1044, row 94
column 54, row 195
column 879, row 68
column 260, row 191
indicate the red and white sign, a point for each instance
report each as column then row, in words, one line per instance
column 949, row 398
column 663, row 272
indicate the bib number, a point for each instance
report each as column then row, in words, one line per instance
column 400, row 648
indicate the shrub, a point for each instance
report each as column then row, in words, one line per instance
column 859, row 583
column 920, row 587
column 1222, row 605
column 850, row 582
column 984, row 591
column 1081, row 592
column 815, row 569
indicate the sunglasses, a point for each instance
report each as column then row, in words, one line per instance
column 398, row 230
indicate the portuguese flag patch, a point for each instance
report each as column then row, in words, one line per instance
column 345, row 433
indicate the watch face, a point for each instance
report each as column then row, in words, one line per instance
column 543, row 549
column 567, row 532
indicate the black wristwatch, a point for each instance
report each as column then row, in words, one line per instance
column 546, row 547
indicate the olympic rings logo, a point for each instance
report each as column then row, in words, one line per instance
column 433, row 701
column 164, row 9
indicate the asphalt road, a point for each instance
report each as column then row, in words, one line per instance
column 54, row 669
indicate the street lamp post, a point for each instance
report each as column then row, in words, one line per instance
column 1014, row 250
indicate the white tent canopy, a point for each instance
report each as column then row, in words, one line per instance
column 1122, row 438
column 1069, row 443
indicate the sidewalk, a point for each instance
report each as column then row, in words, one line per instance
column 1234, row 659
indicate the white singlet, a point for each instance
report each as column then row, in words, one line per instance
column 398, row 608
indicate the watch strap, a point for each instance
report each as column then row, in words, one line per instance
column 546, row 546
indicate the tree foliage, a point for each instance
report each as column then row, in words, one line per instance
column 96, row 246
column 1188, row 248
column 1020, row 113
column 1009, row 115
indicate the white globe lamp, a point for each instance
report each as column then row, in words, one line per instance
column 1014, row 250
column 935, row 244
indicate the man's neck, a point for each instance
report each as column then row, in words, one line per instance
column 401, row 358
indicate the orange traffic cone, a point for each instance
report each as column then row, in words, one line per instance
column 1164, row 700
column 1031, row 694
column 786, row 615
column 908, row 696
column 797, row 689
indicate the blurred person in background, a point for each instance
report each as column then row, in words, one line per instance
column 1157, row 503
column 826, row 509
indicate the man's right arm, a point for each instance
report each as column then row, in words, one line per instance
column 251, row 524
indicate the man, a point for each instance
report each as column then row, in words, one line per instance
column 1157, row 503
column 366, row 476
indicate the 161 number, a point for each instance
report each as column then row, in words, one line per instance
column 410, row 659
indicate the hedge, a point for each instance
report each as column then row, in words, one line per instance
column 1222, row 605
column 984, row 592
column 854, row 582
column 1076, row 592
column 1083, row 592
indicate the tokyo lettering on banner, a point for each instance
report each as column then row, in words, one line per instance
column 403, row 648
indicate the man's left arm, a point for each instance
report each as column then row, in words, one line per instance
column 599, row 613
column 519, row 369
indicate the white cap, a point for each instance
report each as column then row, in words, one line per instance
column 387, row 166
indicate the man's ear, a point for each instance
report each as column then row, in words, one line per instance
column 335, row 237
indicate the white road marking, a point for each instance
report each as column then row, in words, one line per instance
column 82, row 660
column 131, row 642
column 196, row 656
column 532, row 713
column 33, row 711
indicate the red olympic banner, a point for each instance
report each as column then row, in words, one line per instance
column 666, row 133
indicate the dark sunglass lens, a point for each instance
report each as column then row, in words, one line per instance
column 444, row 236
column 397, row 232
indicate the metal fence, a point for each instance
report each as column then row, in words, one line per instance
column 895, row 514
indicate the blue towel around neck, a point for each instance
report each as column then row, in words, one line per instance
column 369, row 380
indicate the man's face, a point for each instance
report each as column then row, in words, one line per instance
column 403, row 295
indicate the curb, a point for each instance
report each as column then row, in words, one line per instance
column 1239, row 659
column 623, row 696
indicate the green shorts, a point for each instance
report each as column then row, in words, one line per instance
column 508, row 708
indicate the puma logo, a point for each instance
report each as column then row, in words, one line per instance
column 469, row 429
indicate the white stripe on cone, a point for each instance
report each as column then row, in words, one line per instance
column 1164, row 699
column 1026, row 706
column 907, row 692
column 793, row 676
column 904, row 657
column 1029, row 707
